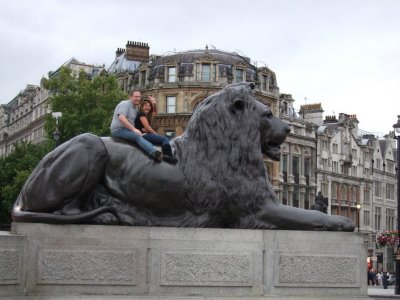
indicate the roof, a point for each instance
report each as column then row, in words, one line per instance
column 190, row 56
column 122, row 64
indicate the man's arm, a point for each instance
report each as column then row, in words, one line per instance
column 127, row 124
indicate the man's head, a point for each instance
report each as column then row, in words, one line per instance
column 135, row 97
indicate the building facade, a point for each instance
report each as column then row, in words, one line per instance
column 23, row 118
column 356, row 172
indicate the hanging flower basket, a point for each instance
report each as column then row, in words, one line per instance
column 387, row 239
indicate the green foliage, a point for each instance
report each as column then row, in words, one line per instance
column 86, row 104
column 14, row 170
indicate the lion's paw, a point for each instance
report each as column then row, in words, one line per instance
column 340, row 223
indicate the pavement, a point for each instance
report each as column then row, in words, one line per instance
column 379, row 291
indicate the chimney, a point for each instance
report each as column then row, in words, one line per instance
column 330, row 119
column 354, row 121
column 137, row 51
column 119, row 52
column 312, row 113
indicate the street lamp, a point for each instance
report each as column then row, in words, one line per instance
column 358, row 216
column 56, row 133
column 397, row 137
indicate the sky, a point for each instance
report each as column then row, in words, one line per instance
column 344, row 54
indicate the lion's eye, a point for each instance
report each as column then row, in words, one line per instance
column 267, row 114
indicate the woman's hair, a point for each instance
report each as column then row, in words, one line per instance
column 142, row 103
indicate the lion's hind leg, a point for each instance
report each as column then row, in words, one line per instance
column 64, row 178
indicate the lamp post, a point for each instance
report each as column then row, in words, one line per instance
column 397, row 137
column 358, row 216
column 56, row 133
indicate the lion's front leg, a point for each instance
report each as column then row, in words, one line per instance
column 287, row 217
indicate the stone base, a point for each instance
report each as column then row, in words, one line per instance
column 94, row 262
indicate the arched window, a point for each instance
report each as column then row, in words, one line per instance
column 334, row 191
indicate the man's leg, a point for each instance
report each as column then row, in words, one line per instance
column 146, row 146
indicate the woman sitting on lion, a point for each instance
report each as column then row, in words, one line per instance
column 143, row 120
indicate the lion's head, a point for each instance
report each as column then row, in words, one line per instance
column 221, row 149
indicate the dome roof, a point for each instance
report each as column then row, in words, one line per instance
column 191, row 56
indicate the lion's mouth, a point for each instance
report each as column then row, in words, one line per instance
column 272, row 150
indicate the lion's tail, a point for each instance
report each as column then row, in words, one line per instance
column 34, row 217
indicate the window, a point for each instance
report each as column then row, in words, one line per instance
column 366, row 219
column 378, row 212
column 205, row 72
column 143, row 78
column 344, row 193
column 354, row 152
column 296, row 196
column 307, row 199
column 367, row 194
column 389, row 191
column 171, row 74
column 335, row 148
column 345, row 169
column 334, row 191
column 324, row 164
column 324, row 145
column 378, row 189
column 171, row 104
column 296, row 167
column 378, row 163
column 390, row 219
column 335, row 166
column 324, row 187
column 239, row 75
column 264, row 83
column 354, row 170
column 390, row 167
column 307, row 167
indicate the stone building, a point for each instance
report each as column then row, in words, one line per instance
column 298, row 185
column 354, row 169
column 180, row 80
column 23, row 118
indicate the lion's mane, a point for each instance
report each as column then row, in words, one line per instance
column 220, row 153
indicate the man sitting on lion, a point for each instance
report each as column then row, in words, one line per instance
column 220, row 180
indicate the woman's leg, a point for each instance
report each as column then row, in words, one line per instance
column 165, row 146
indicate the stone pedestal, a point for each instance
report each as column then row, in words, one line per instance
column 41, row 260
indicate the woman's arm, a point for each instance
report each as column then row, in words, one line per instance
column 146, row 125
column 154, row 108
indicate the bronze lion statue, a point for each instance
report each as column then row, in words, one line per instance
column 220, row 180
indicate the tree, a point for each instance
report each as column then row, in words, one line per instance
column 86, row 104
column 14, row 170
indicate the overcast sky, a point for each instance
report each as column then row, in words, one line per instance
column 344, row 54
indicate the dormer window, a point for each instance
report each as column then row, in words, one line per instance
column 171, row 74
column 205, row 72
column 265, row 83
column 239, row 75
